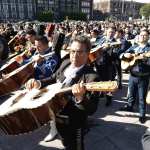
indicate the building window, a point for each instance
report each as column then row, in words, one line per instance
column 85, row 10
column 30, row 10
column 5, row 12
column 85, row 4
column 21, row 11
column 13, row 10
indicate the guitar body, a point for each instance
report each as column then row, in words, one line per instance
column 126, row 65
column 12, row 64
column 27, row 111
column 15, row 79
column 95, row 53
column 9, row 67
column 93, row 56
column 30, row 110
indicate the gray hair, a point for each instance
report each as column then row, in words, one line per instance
column 84, row 40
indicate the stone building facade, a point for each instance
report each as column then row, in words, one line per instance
column 16, row 10
column 119, row 9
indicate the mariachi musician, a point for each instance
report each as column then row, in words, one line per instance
column 30, row 44
column 79, row 103
column 23, row 41
column 26, row 44
column 95, row 37
column 8, row 34
column 29, row 47
column 139, row 75
column 14, row 62
column 119, row 36
column 104, row 63
column 43, row 67
column 128, row 33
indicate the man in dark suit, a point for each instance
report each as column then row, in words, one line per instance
column 104, row 62
column 128, row 33
column 119, row 36
column 80, row 103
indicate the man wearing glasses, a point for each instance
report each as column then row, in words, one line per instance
column 80, row 103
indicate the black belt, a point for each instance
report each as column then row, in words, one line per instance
column 140, row 74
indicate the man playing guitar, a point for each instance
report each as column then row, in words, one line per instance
column 139, row 75
column 80, row 103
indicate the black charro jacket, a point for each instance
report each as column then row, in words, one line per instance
column 85, row 74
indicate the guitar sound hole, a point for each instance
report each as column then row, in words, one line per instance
column 37, row 96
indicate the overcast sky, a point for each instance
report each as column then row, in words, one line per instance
column 143, row 1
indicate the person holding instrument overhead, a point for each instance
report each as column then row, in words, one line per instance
column 79, row 103
column 139, row 75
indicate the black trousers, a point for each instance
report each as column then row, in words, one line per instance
column 71, row 129
column 106, row 72
column 72, row 139
column 118, row 70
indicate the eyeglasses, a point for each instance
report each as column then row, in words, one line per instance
column 73, row 52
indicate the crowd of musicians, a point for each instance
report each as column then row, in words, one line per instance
column 60, row 53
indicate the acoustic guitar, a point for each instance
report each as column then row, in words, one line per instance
column 29, row 110
column 128, row 63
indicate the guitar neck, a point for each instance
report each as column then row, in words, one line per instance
column 100, row 46
column 115, row 43
column 144, row 55
column 105, row 86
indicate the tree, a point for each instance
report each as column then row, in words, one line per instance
column 145, row 11
column 46, row 16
